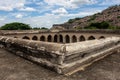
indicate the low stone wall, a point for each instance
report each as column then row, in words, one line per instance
column 15, row 32
column 63, row 58
column 105, row 31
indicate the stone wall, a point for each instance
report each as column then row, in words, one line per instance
column 63, row 58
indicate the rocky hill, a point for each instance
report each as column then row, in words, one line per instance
column 110, row 15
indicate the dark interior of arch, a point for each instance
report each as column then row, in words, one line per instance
column 42, row 38
column 55, row 38
column 102, row 37
column 25, row 37
column 49, row 39
column 34, row 38
column 91, row 38
column 67, row 39
column 61, row 38
column 74, row 39
column 82, row 38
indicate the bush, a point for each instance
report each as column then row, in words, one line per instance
column 70, row 20
column 44, row 28
column 118, row 17
column 36, row 28
column 97, row 25
column 16, row 26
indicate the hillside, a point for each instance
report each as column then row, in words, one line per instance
column 110, row 15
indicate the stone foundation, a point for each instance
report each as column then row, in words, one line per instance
column 63, row 58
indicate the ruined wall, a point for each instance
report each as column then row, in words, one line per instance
column 63, row 58
column 64, row 36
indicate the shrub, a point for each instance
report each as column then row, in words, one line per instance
column 16, row 26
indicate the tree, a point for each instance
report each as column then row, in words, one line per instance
column 44, row 28
column 104, row 25
column 98, row 25
column 36, row 28
column 70, row 20
column 15, row 26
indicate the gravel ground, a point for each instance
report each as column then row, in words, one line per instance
column 13, row 67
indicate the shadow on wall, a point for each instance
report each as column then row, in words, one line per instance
column 60, row 39
column 91, row 38
column 26, row 37
column 34, row 38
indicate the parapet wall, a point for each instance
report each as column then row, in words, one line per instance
column 13, row 32
column 63, row 58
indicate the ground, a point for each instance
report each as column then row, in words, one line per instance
column 13, row 67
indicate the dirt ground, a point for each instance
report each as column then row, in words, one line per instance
column 13, row 67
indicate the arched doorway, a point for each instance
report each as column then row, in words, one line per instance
column 55, row 38
column 67, row 39
column 101, row 37
column 49, row 38
column 61, row 38
column 42, row 38
column 91, row 38
column 15, row 37
column 82, row 38
column 74, row 38
column 26, row 37
column 34, row 38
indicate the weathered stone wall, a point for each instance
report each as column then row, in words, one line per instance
column 65, row 36
column 63, row 58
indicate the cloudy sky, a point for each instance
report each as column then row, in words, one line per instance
column 45, row 13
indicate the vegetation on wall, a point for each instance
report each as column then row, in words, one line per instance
column 118, row 16
column 73, row 20
column 92, row 17
column 38, row 28
column 101, row 25
column 15, row 26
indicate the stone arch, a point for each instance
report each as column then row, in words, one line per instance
column 42, row 38
column 26, row 37
column 34, row 38
column 15, row 37
column 82, row 38
column 74, row 38
column 91, row 38
column 49, row 38
column 67, row 39
column 61, row 38
column 101, row 37
column 55, row 38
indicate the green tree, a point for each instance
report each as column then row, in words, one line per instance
column 70, row 20
column 15, row 26
column 104, row 25
column 36, row 28
column 44, row 28
column 99, row 25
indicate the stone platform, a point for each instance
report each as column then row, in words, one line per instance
column 63, row 58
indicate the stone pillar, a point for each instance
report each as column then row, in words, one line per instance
column 77, row 39
column 58, row 40
column 64, row 40
column 70, row 39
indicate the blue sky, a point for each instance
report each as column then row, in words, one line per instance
column 45, row 13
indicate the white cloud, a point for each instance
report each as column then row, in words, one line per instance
column 49, row 19
column 19, row 16
column 2, row 18
column 49, row 13
column 60, row 11
column 70, row 3
column 110, row 2
column 27, row 9
column 9, row 5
